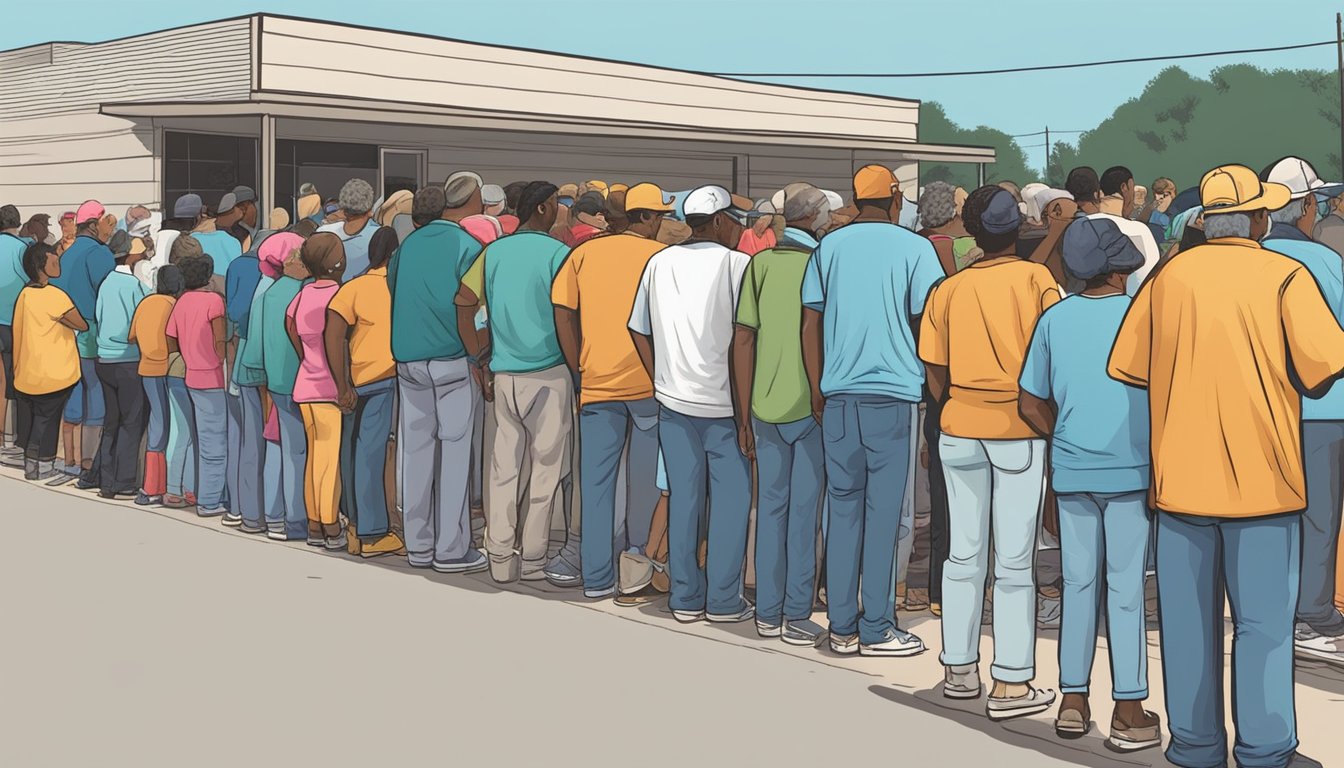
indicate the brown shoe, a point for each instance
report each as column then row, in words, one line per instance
column 1131, row 737
column 389, row 544
column 917, row 599
column 1074, row 719
column 642, row 597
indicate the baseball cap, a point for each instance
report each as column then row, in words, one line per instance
column 492, row 194
column 68, row 215
column 188, row 206
column 568, row 190
column 709, row 200
column 459, row 188
column 243, row 194
column 1298, row 176
column 647, row 197
column 1049, row 195
column 137, row 246
column 598, row 186
column 1001, row 214
column 591, row 203
column 307, row 188
column 1237, row 189
column 91, row 210
column 1095, row 247
column 875, row 182
column 227, row 203
column 614, row 188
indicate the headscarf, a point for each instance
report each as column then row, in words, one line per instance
column 279, row 219
column 273, row 252
column 1176, row 228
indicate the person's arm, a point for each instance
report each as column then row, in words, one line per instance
column 742, row 371
column 641, row 320
column 218, row 325
column 814, row 358
column 468, row 304
column 336, row 342
column 292, row 331
column 644, row 347
column 1314, row 338
column 1131, row 353
column 74, row 321
column 947, row 257
column 569, row 333
column 936, row 376
column 1039, row 414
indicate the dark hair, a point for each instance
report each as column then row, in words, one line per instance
column 591, row 203
column 638, row 215
column 976, row 203
column 532, row 196
column 305, row 229
column 169, row 281
column 428, row 205
column 318, row 251
column 35, row 258
column 1114, row 178
column 197, row 269
column 1083, row 184
column 877, row 202
column 698, row 220
column 9, row 217
column 512, row 193
column 381, row 247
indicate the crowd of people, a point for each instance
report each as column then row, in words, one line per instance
column 1142, row 382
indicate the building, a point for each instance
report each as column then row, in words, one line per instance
column 272, row 102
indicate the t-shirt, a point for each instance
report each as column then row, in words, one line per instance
column 192, row 324
column 868, row 279
column 686, row 301
column 1142, row 238
column 581, row 233
column 978, row 324
column 356, row 247
column 118, row 297
column 240, row 285
column 12, row 276
column 599, row 281
column 517, row 273
column 249, row 370
column 149, row 329
column 508, row 223
column 45, row 358
column 1100, row 444
column 278, row 357
column 487, row 229
column 1328, row 270
column 1237, row 322
column 221, row 247
column 423, row 278
column 771, row 305
column 365, row 304
column 314, row 382
column 752, row 244
column 84, row 266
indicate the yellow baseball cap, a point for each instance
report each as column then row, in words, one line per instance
column 647, row 197
column 597, row 186
column 875, row 182
column 1238, row 189
column 617, row 188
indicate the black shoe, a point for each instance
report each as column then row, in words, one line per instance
column 84, row 484
column 122, row 495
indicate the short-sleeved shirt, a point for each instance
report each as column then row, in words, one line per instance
column 1236, row 323
column 221, row 247
column 1328, row 270
column 45, row 357
column 356, row 247
column 278, row 357
column 149, row 328
column 192, row 324
column 240, row 286
column 366, row 306
column 978, row 324
column 12, row 276
column 867, row 280
column 314, row 382
column 516, row 276
column 599, row 281
column 249, row 369
column 84, row 266
column 771, row 305
column 1142, row 237
column 686, row 302
column 423, row 279
column 1100, row 444
column 118, row 297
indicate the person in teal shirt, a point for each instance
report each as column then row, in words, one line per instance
column 12, row 280
column 280, row 362
column 127, row 409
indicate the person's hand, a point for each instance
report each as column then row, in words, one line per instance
column 487, row 382
column 746, row 442
column 1051, row 518
column 818, row 406
column 346, row 399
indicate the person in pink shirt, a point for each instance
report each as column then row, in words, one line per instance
column 196, row 330
column 315, row 389
column 760, row 236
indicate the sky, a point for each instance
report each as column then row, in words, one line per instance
column 813, row 36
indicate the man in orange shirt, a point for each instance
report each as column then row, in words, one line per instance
column 1222, row 338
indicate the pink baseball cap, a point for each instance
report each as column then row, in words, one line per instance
column 275, row 249
column 91, row 210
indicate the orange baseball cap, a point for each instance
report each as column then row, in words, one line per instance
column 875, row 182
column 1237, row 189
column 647, row 197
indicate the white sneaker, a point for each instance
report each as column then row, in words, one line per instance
column 765, row 629
column 1033, row 701
column 688, row 617
column 897, row 642
column 845, row 645
column 742, row 614
column 961, row 682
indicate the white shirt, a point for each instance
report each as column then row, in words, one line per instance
column 1142, row 237
column 687, row 301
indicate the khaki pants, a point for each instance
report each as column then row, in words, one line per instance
column 534, row 422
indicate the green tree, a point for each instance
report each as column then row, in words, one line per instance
column 936, row 128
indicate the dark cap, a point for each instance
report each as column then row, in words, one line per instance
column 1001, row 215
column 591, row 203
column 187, row 206
column 1094, row 247
column 244, row 195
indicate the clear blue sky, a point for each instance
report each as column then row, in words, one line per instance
column 811, row 36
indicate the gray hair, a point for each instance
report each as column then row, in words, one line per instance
column 356, row 197
column 1290, row 213
column 1220, row 225
column 810, row 206
column 937, row 204
column 460, row 187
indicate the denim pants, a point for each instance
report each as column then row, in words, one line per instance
column 251, row 499
column 364, row 434
column 702, row 455
column 1103, row 539
column 1323, row 455
column 210, row 410
column 156, row 430
column 233, row 461
column 790, row 478
column 181, row 439
column 1254, row 563
column 438, row 403
column 618, row 463
column 293, row 450
column 994, row 494
column 86, row 406
column 868, row 449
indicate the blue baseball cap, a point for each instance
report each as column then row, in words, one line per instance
column 1001, row 215
column 1095, row 247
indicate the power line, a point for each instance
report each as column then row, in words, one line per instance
column 1042, row 68
column 1041, row 133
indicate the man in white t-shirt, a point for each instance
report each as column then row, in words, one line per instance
column 682, row 327
column 1111, row 197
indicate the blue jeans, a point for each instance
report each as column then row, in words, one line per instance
column 867, row 461
column 364, row 434
column 293, row 450
column 1104, row 537
column 233, row 461
column 1254, row 562
column 1323, row 456
column 790, row 477
column 156, row 431
column 86, row 405
column 210, row 409
column 703, row 455
column 251, row 497
column 181, row 439
column 618, row 457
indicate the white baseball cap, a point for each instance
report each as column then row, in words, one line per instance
column 707, row 201
column 1047, row 196
column 1299, row 177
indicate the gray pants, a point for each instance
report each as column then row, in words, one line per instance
column 1323, row 454
column 438, row 404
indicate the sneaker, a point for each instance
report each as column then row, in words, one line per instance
column 961, row 681
column 1319, row 646
column 642, row 597
column 12, row 460
column 232, row 519
column 767, row 629
column 118, row 495
column 599, row 594
column 1131, row 738
column 896, row 642
column 30, row 470
column 86, row 484
column 741, row 614
column 174, row 502
column 333, row 543
column 252, row 530
column 561, row 571
column 216, row 512
column 803, row 632
column 845, row 645
column 474, row 561
column 688, row 617
column 316, row 540
column 276, row 534
column 1073, row 723
column 388, row 544
column 11, row 450
column 145, row 500
column 1033, row 701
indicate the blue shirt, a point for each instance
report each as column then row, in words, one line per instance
column 519, row 270
column 12, row 276
column 423, row 277
column 84, row 266
column 356, row 247
column 1326, row 266
column 868, row 280
column 249, row 370
column 1100, row 443
column 118, row 297
column 221, row 247
column 240, row 285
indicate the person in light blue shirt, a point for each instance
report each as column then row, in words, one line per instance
column 357, row 229
column 117, row 464
column 12, row 280
column 1100, row 473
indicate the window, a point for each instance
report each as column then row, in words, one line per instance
column 327, row 165
column 403, row 169
column 206, row 164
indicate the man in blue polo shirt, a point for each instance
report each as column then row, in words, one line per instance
column 12, row 280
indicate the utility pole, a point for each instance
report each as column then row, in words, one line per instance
column 1339, row 45
column 1047, row 151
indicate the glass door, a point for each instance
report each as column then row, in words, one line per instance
column 403, row 169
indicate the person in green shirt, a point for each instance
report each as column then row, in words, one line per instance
column 767, row 345
column 280, row 363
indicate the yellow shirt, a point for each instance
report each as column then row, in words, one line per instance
column 365, row 303
column 1213, row 337
column 45, row 358
column 599, row 280
column 978, row 324
column 149, row 330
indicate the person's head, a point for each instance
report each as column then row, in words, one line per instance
column 1299, row 213
column 89, row 221
column 1097, row 252
column 168, row 281
column 1011, row 188
column 185, row 246
column 356, row 198
column 279, row 219
column 645, row 207
column 808, row 209
column 462, row 195
column 273, row 252
column 10, row 221
column 323, row 255
column 305, row 228
column 382, row 246
column 1237, row 203
column 67, row 222
column 246, row 198
column 1054, row 204
column 616, row 219
column 537, row 207
column 876, row 191
column 428, row 205
column 937, row 205
column 40, row 263
column 512, row 192
column 493, row 199
column 1117, row 180
column 197, row 269
column 591, row 209
column 762, row 217
column 1304, row 185
column 1084, row 185
column 992, row 218
column 120, row 246
column 188, row 207
column 567, row 194
column 711, row 215
column 1164, row 191
column 38, row 228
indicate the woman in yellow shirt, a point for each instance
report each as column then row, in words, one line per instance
column 46, row 363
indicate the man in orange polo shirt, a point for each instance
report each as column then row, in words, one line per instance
column 1225, row 339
